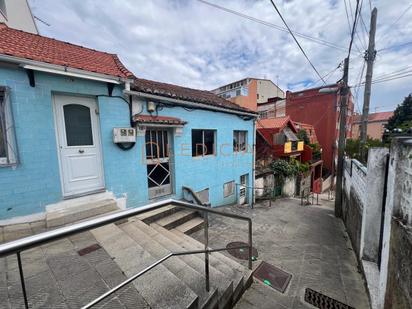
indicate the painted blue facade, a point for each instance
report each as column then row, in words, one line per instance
column 35, row 182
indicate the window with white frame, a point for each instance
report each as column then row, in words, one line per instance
column 229, row 188
column 203, row 142
column 8, row 149
column 239, row 141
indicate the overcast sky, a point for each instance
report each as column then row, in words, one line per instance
column 192, row 44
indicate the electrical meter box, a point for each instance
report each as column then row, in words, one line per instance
column 124, row 135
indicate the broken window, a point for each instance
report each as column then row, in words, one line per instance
column 229, row 188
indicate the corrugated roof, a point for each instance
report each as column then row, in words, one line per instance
column 31, row 46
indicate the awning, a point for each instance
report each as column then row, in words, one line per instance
column 148, row 120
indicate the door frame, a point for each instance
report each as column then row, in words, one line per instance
column 57, row 133
column 170, row 160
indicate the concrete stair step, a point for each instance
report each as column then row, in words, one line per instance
column 218, row 279
column 78, row 211
column 241, row 276
column 191, row 226
column 176, row 265
column 176, row 219
column 159, row 287
column 157, row 214
column 248, row 274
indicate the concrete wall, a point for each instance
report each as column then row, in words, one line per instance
column 266, row 89
column 18, row 16
column 372, row 215
column 375, row 129
column 399, row 282
column 396, row 265
column 289, row 187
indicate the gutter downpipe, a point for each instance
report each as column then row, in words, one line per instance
column 189, row 104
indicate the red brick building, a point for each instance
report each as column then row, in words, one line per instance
column 319, row 108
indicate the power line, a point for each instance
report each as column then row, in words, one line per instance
column 353, row 28
column 400, row 16
column 395, row 46
column 387, row 79
column 265, row 23
column 300, row 47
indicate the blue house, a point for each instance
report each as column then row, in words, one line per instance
column 75, row 122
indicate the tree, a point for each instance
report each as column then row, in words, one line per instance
column 402, row 116
column 352, row 147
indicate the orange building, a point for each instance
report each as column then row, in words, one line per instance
column 376, row 124
column 250, row 92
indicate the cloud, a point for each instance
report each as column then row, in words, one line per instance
column 189, row 43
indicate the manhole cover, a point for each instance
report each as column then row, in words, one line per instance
column 88, row 249
column 242, row 254
column 322, row 301
column 272, row 276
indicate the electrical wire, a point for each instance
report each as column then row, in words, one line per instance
column 394, row 46
column 268, row 24
column 353, row 28
column 395, row 22
column 300, row 47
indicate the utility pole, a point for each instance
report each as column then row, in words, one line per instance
column 343, row 106
column 370, row 58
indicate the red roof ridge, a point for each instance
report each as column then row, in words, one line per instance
column 121, row 67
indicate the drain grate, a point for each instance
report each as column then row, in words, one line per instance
column 272, row 276
column 242, row 254
column 322, row 301
column 89, row 249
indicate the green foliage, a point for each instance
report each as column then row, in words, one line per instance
column 352, row 147
column 303, row 136
column 283, row 169
column 402, row 116
column 315, row 149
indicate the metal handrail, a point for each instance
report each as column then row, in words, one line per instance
column 153, row 265
column 20, row 245
column 195, row 196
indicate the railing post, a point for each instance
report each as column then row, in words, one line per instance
column 206, row 230
column 23, row 285
column 250, row 244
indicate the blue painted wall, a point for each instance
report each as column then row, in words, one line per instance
column 35, row 182
column 210, row 171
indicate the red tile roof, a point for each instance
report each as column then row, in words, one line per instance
column 30, row 46
column 183, row 93
column 275, row 123
column 383, row 116
column 158, row 120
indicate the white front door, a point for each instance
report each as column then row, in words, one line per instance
column 78, row 142
column 243, row 189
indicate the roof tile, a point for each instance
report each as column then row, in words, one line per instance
column 31, row 46
column 183, row 93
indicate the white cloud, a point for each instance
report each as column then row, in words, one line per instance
column 192, row 44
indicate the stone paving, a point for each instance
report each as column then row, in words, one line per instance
column 306, row 241
column 56, row 276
